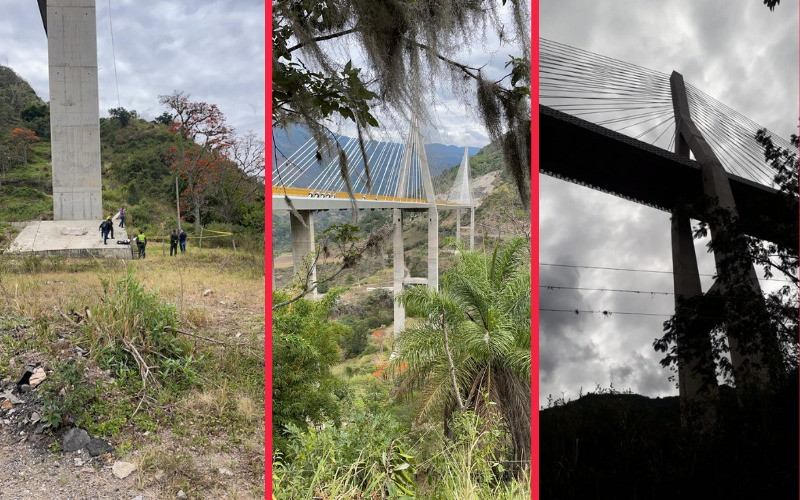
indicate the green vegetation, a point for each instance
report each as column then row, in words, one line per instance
column 349, row 423
column 139, row 169
column 143, row 359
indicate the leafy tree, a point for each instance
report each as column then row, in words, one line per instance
column 241, row 178
column 202, row 137
column 473, row 350
column 405, row 45
column 122, row 115
column 164, row 118
column 34, row 110
column 37, row 118
column 775, row 317
column 303, row 351
column 20, row 139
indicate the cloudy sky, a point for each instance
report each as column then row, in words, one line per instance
column 212, row 50
column 454, row 112
column 736, row 51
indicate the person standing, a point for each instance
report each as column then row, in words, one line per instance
column 104, row 230
column 121, row 217
column 173, row 243
column 141, row 244
column 182, row 239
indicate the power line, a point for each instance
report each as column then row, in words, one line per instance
column 655, row 271
column 622, row 290
column 113, row 53
column 604, row 312
column 648, row 292
column 608, row 312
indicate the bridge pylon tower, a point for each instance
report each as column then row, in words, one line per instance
column 735, row 298
column 414, row 146
column 461, row 193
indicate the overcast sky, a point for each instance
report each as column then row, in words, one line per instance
column 454, row 113
column 213, row 50
column 736, row 51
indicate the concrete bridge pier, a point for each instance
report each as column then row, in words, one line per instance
column 697, row 381
column 399, row 270
column 737, row 284
column 74, row 113
column 433, row 248
column 458, row 225
column 303, row 249
column 472, row 227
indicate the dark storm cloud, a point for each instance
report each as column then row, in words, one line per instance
column 736, row 51
column 213, row 50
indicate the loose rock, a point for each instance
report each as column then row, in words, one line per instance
column 75, row 439
column 97, row 447
column 122, row 469
column 38, row 376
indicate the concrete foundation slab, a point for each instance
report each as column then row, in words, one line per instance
column 75, row 238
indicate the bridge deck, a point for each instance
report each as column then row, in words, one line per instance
column 306, row 199
column 591, row 155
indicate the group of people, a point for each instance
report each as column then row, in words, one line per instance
column 107, row 226
column 176, row 239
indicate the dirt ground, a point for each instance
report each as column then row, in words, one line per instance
column 215, row 448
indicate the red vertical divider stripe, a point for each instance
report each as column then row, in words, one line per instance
column 268, row 257
column 535, row 249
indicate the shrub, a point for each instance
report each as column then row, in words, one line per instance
column 134, row 330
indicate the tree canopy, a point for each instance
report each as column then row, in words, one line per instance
column 405, row 48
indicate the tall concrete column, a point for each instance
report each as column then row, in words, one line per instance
column 472, row 227
column 697, row 382
column 399, row 270
column 303, row 249
column 737, row 276
column 74, row 109
column 433, row 248
column 433, row 214
column 458, row 225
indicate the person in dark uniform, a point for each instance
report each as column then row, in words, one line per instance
column 106, row 227
column 173, row 243
column 182, row 239
column 141, row 244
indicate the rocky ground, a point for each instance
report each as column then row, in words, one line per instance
column 205, row 441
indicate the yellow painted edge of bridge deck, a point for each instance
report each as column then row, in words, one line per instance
column 306, row 193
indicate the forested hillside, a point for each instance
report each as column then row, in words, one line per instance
column 219, row 173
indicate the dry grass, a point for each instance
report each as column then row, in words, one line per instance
column 220, row 296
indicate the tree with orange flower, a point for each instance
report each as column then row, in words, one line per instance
column 203, row 138
column 20, row 140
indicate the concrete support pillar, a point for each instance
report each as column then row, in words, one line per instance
column 472, row 227
column 458, row 225
column 74, row 109
column 303, row 249
column 433, row 248
column 737, row 276
column 399, row 270
column 697, row 382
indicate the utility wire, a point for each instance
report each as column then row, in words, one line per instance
column 640, row 270
column 113, row 54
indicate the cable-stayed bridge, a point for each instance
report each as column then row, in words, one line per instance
column 654, row 139
column 381, row 175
